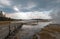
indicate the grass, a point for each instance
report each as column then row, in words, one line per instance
column 52, row 28
column 49, row 32
column 4, row 22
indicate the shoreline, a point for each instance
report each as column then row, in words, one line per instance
column 51, row 31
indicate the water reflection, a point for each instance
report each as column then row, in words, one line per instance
column 29, row 30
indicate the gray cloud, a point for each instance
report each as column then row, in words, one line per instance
column 12, row 6
column 39, row 4
column 29, row 5
column 29, row 15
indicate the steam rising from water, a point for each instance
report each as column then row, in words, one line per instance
column 55, row 14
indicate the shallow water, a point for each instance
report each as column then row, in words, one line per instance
column 27, row 31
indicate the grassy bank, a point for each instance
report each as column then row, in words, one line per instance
column 51, row 31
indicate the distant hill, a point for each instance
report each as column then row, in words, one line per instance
column 42, row 20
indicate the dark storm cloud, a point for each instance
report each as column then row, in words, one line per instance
column 40, row 4
column 29, row 5
column 7, row 9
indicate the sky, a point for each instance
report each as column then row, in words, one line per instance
column 30, row 9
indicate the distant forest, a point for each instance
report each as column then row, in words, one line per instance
column 9, row 19
column 6, row 19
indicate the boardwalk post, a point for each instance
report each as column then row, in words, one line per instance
column 9, row 29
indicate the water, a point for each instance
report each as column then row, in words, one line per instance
column 4, row 30
column 27, row 31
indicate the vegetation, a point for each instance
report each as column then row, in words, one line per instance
column 5, row 19
column 51, row 31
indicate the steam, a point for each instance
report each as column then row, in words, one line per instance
column 55, row 14
column 29, row 15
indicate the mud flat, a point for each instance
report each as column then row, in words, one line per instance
column 51, row 31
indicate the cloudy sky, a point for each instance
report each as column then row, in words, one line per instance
column 27, row 9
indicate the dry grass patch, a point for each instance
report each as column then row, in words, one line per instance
column 4, row 22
